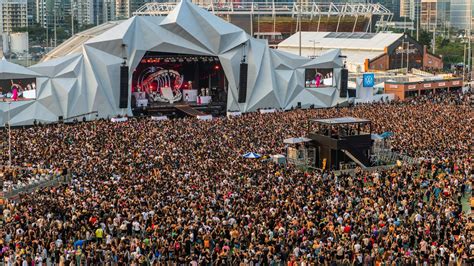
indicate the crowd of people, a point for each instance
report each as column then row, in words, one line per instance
column 179, row 192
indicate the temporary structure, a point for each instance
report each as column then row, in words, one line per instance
column 252, row 155
column 10, row 70
column 296, row 140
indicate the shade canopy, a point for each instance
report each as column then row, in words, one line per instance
column 252, row 155
column 10, row 70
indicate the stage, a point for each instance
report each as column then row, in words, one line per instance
column 216, row 109
column 163, row 83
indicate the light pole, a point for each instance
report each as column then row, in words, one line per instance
column 9, row 138
column 464, row 64
column 408, row 55
column 73, row 5
column 55, row 35
column 299, row 24
column 401, row 55
column 314, row 46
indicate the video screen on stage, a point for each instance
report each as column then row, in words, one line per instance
column 317, row 78
column 165, row 78
column 18, row 89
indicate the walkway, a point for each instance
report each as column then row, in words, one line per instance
column 189, row 110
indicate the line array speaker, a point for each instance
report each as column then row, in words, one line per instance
column 123, row 102
column 243, row 82
column 343, row 85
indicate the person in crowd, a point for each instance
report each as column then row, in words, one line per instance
column 179, row 192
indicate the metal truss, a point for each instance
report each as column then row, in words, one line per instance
column 307, row 9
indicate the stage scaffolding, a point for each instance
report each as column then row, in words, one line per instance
column 306, row 9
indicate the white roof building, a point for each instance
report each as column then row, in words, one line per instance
column 357, row 46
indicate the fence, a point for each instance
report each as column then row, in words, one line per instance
column 54, row 181
column 391, row 157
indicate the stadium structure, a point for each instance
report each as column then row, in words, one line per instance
column 276, row 21
column 103, row 71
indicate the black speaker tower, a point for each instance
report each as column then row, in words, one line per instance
column 343, row 85
column 123, row 102
column 243, row 82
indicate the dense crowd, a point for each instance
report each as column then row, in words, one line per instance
column 153, row 192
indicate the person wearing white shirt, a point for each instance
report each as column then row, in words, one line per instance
column 357, row 247
column 136, row 227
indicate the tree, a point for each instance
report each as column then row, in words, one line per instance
column 425, row 38
column 85, row 27
column 452, row 52
column 36, row 33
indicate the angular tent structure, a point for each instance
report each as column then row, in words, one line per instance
column 83, row 77
column 10, row 70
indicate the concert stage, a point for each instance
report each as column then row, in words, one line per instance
column 188, row 84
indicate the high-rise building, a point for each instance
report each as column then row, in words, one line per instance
column 109, row 10
column 13, row 14
column 125, row 8
column 435, row 15
column 41, row 12
column 84, row 12
column 409, row 9
column 461, row 12
column 122, row 9
column 47, row 12
column 97, row 12
column 405, row 8
column 94, row 12
column 31, row 6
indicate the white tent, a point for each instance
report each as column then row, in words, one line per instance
column 85, row 78
column 10, row 70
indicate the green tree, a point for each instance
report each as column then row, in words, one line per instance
column 85, row 27
column 451, row 51
column 36, row 33
column 425, row 38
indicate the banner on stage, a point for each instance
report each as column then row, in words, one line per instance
column 119, row 119
column 204, row 117
column 266, row 111
column 159, row 118
column 233, row 114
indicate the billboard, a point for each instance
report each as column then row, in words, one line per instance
column 18, row 88
column 368, row 80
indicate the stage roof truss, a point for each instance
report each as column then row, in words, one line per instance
column 308, row 9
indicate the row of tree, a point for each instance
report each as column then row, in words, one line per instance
column 39, row 35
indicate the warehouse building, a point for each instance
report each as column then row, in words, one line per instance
column 366, row 52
